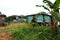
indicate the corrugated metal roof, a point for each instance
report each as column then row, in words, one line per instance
column 45, row 13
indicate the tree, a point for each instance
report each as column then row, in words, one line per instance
column 53, row 8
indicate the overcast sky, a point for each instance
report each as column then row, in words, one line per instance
column 20, row 7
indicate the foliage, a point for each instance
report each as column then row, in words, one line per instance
column 33, row 22
column 36, row 33
column 53, row 8
column 11, row 18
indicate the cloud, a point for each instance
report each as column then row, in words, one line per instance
column 20, row 7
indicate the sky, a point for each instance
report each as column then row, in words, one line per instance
column 21, row 7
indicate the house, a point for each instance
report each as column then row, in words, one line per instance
column 2, row 18
column 16, row 18
column 42, row 18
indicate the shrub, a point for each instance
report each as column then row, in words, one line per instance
column 36, row 33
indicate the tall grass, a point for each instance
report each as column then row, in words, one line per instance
column 36, row 33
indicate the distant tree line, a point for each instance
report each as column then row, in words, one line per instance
column 11, row 18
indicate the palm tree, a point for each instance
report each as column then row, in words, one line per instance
column 53, row 9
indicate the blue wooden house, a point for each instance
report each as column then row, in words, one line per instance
column 42, row 18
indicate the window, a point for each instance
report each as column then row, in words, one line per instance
column 40, row 18
column 23, row 20
column 30, row 18
column 2, row 18
column 47, row 19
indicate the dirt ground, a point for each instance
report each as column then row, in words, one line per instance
column 4, row 34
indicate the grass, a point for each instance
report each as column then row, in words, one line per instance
column 24, row 31
column 6, row 30
column 36, row 33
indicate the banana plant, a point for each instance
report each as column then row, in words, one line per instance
column 53, row 9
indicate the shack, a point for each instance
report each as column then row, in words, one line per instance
column 2, row 19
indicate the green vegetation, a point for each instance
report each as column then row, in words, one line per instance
column 24, row 31
column 32, row 31
column 53, row 9
column 36, row 33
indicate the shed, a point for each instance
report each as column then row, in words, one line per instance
column 2, row 18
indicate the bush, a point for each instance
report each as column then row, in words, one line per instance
column 36, row 33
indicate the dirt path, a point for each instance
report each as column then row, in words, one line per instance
column 5, row 34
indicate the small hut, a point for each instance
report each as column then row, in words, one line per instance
column 2, row 18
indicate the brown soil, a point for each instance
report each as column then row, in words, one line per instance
column 6, row 35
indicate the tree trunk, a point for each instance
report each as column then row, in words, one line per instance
column 54, row 25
